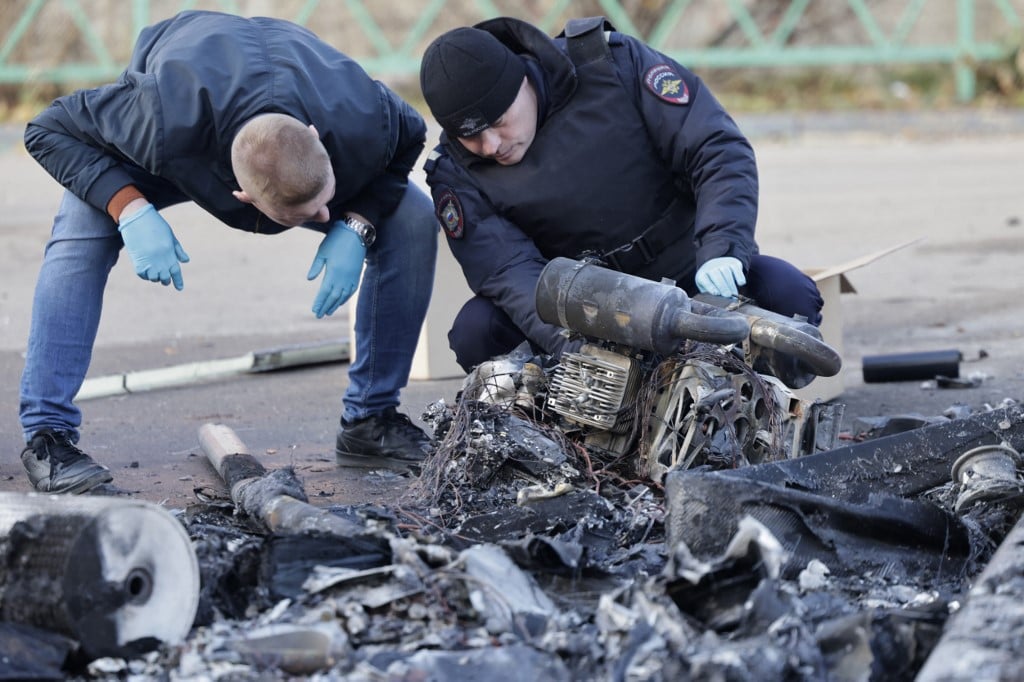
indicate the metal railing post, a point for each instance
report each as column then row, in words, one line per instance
column 964, row 63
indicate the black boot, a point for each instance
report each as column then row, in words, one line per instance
column 388, row 439
column 55, row 465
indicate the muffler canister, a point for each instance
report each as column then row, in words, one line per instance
column 120, row 576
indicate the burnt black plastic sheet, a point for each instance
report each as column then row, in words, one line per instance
column 903, row 464
column 29, row 653
column 848, row 507
column 543, row 516
column 548, row 555
column 288, row 559
column 229, row 560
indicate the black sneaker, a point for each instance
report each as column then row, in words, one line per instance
column 388, row 439
column 55, row 465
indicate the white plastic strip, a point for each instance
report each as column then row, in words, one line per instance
column 209, row 370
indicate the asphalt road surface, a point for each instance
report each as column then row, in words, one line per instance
column 833, row 187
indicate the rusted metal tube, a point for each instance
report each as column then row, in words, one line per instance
column 658, row 316
column 817, row 355
column 789, row 336
column 625, row 309
column 275, row 498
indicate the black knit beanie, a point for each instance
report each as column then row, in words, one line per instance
column 469, row 79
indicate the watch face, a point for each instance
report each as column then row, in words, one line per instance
column 367, row 233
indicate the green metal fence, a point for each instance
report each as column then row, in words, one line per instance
column 95, row 36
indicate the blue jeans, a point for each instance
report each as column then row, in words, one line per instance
column 392, row 303
column 84, row 246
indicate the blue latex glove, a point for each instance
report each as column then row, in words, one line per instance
column 153, row 248
column 721, row 276
column 340, row 255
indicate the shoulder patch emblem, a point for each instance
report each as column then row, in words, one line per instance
column 448, row 210
column 666, row 84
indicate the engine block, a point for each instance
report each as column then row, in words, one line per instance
column 591, row 387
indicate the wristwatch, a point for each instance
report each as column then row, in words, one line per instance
column 366, row 232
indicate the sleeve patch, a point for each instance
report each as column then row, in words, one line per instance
column 448, row 210
column 667, row 85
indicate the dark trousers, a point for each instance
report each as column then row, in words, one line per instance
column 482, row 330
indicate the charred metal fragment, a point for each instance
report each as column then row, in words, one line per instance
column 527, row 447
column 705, row 509
column 720, row 597
column 640, row 659
column 982, row 640
column 880, row 644
column 515, row 663
column 646, row 639
column 487, row 447
column 989, row 472
column 717, row 592
column 506, row 598
column 865, row 624
column 294, row 649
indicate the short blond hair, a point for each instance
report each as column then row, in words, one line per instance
column 278, row 162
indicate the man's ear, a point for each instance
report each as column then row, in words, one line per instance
column 315, row 133
column 242, row 196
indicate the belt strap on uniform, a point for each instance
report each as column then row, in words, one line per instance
column 631, row 256
column 648, row 245
column 586, row 41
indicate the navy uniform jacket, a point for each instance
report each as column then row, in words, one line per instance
column 192, row 81
column 629, row 144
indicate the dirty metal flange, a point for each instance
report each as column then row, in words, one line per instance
column 986, row 472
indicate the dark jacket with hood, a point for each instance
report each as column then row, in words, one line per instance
column 634, row 161
column 193, row 80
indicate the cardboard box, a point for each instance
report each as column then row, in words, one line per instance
column 832, row 283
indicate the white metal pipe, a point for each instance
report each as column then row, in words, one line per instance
column 209, row 370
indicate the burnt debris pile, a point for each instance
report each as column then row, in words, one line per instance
column 621, row 537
